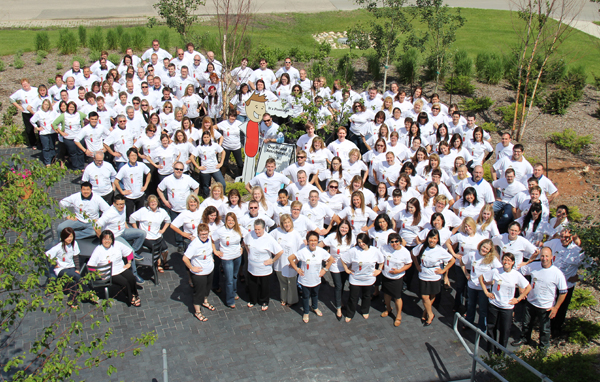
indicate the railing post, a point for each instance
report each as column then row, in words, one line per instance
column 165, row 366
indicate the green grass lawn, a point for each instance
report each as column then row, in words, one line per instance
column 484, row 31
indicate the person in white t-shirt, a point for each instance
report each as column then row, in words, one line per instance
column 502, row 298
column 198, row 258
column 431, row 261
column 262, row 73
column 64, row 261
column 396, row 261
column 208, row 152
column 263, row 250
column 542, row 301
column 307, row 262
column 101, row 175
column 22, row 100
column 132, row 175
column 270, row 181
column 156, row 49
column 504, row 148
column 154, row 221
column 517, row 162
column 506, row 188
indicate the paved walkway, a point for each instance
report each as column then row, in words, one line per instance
column 61, row 13
column 250, row 345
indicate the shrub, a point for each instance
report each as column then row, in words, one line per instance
column 67, row 42
column 268, row 53
column 490, row 127
column 597, row 82
column 51, row 81
column 11, row 135
column 138, row 41
column 559, row 367
column 409, row 66
column 2, row 66
column 323, row 68
column 490, row 68
column 374, row 66
column 240, row 186
column 59, row 66
column 574, row 215
column 554, row 72
column 18, row 63
column 569, row 140
column 112, row 39
column 42, row 53
column 570, row 90
column 165, row 39
column 97, row 39
column 19, row 53
column 82, row 35
column 94, row 55
column 81, row 59
column 7, row 118
column 463, row 64
column 38, row 60
column 476, row 104
column 459, row 85
column 345, row 68
column 323, row 50
column 125, row 42
column 507, row 113
column 582, row 331
column 114, row 58
column 582, row 298
column 42, row 41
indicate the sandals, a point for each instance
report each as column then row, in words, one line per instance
column 250, row 305
column 200, row 317
column 430, row 322
column 386, row 313
column 317, row 312
column 160, row 269
column 136, row 302
column 305, row 318
column 365, row 316
column 208, row 306
column 348, row 319
column 340, row 314
column 397, row 321
column 264, row 308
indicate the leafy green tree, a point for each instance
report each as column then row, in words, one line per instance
column 391, row 20
column 442, row 23
column 71, row 341
column 178, row 14
column 589, row 233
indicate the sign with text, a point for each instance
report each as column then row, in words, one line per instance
column 277, row 108
column 283, row 153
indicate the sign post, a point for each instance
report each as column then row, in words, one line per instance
column 283, row 153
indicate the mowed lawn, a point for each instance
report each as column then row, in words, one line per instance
column 484, row 31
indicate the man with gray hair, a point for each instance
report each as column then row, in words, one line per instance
column 101, row 175
column 483, row 188
column 122, row 140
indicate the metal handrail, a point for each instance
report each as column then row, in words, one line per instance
column 475, row 352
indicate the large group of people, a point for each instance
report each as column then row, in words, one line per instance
column 395, row 200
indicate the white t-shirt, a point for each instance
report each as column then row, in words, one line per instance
column 567, row 259
column 113, row 220
column 231, row 134
column 133, row 178
column 394, row 260
column 544, row 283
column 357, row 218
column 363, row 264
column 291, row 242
column 208, row 157
column 229, row 241
column 508, row 191
column 519, row 247
column 432, row 260
column 261, row 249
column 305, row 142
column 270, row 184
column 380, row 238
column 466, row 243
column 114, row 254
column 505, row 284
column 336, row 250
column 188, row 221
column 101, row 177
column 63, row 257
column 408, row 231
column 318, row 213
column 178, row 190
column 465, row 209
column 150, row 221
column 201, row 255
column 473, row 262
column 311, row 264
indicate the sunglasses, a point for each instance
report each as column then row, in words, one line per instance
column 334, row 187
column 301, row 157
column 267, row 120
column 252, row 208
column 394, row 242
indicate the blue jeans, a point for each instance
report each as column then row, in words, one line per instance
column 231, row 269
column 82, row 230
column 339, row 279
column 205, row 180
column 216, row 273
column 477, row 297
column 313, row 294
column 48, row 151
column 72, row 287
column 133, row 238
column 76, row 156
column 118, row 165
column 503, row 214
column 242, row 118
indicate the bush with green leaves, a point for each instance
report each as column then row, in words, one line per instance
column 490, row 68
column 82, row 61
column 582, row 331
column 569, row 140
column 7, row 118
column 165, row 40
column 490, row 127
column 574, row 214
column 114, row 58
column 96, row 41
column 67, row 42
column 11, row 135
column 555, row 71
column 409, row 66
column 38, row 60
column 476, row 105
column 125, row 42
column 267, row 53
column 42, row 41
column 557, row 366
column 82, row 32
column 345, row 68
column 570, row 90
column 374, row 66
column 18, row 63
column 2, row 66
column 325, row 67
column 240, row 186
column 432, row 68
column 94, row 55
column 59, row 66
column 462, row 64
column 507, row 113
column 459, row 85
column 138, row 39
column 42, row 53
column 112, row 39
column 582, row 298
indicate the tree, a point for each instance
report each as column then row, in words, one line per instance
column 233, row 17
column 442, row 24
column 589, row 233
column 542, row 26
column 383, row 33
column 178, row 14
column 62, row 348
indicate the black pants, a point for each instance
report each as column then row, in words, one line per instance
column 460, row 286
column 108, row 198
column 237, row 155
column 365, row 293
column 410, row 272
column 201, row 287
column 132, row 205
column 532, row 313
column 76, row 156
column 558, row 320
column 32, row 137
column 357, row 140
column 258, row 289
column 126, row 279
column 148, row 243
column 499, row 322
